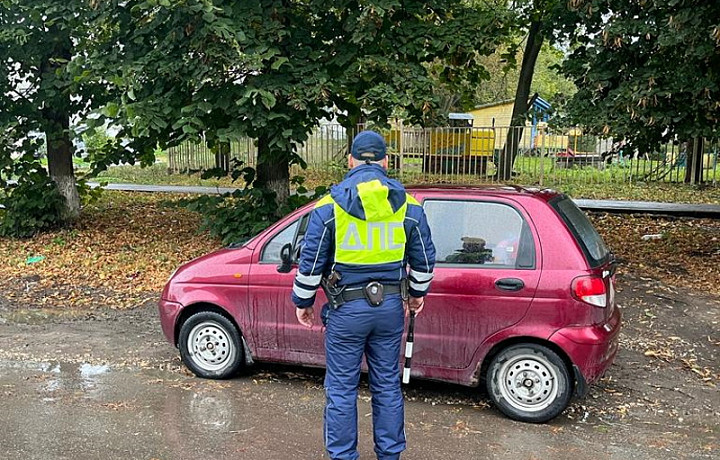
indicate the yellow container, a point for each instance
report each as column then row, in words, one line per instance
column 482, row 142
column 462, row 142
column 478, row 142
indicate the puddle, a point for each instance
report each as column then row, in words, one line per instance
column 57, row 378
column 88, row 371
column 54, row 383
column 212, row 412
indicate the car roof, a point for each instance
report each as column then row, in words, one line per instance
column 545, row 194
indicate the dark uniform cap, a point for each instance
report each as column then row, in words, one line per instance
column 368, row 146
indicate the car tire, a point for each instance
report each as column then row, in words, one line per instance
column 210, row 345
column 529, row 382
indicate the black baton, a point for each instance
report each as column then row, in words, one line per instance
column 409, row 347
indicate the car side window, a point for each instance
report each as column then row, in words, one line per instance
column 271, row 251
column 481, row 233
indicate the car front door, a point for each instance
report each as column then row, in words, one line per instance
column 487, row 270
column 279, row 335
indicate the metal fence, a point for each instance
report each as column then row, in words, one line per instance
column 325, row 148
column 195, row 156
column 543, row 156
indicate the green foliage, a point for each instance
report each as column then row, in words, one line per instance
column 420, row 59
column 548, row 82
column 89, row 195
column 30, row 206
column 272, row 69
column 101, row 149
column 43, row 84
column 646, row 71
column 174, row 70
column 237, row 216
column 504, row 74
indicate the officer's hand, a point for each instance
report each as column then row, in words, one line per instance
column 416, row 304
column 305, row 316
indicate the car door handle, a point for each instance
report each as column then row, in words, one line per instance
column 509, row 284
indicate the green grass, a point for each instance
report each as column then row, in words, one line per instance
column 157, row 174
column 546, row 171
column 614, row 182
column 578, row 182
column 78, row 162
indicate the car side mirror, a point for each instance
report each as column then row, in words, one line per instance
column 286, row 258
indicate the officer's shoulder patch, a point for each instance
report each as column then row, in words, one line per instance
column 327, row 199
column 411, row 200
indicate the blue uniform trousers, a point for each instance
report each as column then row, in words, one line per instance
column 353, row 329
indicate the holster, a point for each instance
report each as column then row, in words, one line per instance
column 333, row 293
column 405, row 289
column 374, row 293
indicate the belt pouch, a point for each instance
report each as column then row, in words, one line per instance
column 374, row 293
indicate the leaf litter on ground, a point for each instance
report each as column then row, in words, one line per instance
column 119, row 254
column 124, row 248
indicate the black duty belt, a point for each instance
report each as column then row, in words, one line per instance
column 374, row 292
column 358, row 292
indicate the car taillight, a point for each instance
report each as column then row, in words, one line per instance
column 590, row 289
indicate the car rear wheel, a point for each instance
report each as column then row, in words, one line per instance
column 210, row 345
column 529, row 382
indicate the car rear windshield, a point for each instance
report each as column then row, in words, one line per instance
column 590, row 241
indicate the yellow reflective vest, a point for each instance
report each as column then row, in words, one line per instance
column 377, row 239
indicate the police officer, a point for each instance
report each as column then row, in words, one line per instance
column 358, row 242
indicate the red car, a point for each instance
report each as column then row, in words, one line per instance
column 522, row 300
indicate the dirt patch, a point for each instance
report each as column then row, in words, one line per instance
column 668, row 369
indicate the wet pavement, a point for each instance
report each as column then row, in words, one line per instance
column 55, row 410
column 104, row 384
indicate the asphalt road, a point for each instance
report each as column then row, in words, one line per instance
column 58, row 410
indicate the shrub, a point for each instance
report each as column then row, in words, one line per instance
column 30, row 206
column 242, row 214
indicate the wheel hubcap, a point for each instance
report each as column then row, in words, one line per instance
column 528, row 383
column 210, row 346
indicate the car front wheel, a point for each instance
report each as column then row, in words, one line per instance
column 529, row 382
column 210, row 345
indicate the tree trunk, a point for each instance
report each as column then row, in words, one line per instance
column 355, row 122
column 273, row 171
column 56, row 114
column 694, row 161
column 222, row 155
column 60, row 165
column 520, row 107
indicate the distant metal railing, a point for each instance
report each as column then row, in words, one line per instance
column 195, row 156
column 543, row 156
column 324, row 148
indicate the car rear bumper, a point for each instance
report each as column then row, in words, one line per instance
column 169, row 312
column 592, row 349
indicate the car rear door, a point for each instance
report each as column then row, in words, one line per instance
column 600, row 260
column 487, row 269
